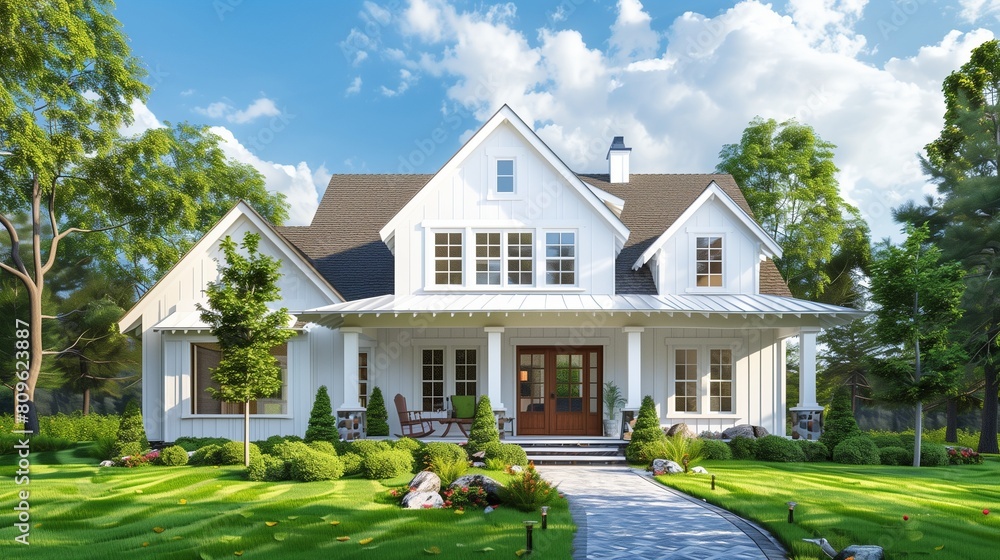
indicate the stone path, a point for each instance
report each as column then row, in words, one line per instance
column 622, row 513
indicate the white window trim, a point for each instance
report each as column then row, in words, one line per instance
column 504, row 260
column 186, row 373
column 540, row 247
column 703, row 347
column 693, row 235
column 449, row 346
column 430, row 278
column 519, row 156
column 369, row 385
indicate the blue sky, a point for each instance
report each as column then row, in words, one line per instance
column 305, row 89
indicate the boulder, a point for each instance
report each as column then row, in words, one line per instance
column 107, row 463
column 425, row 481
column 740, row 430
column 861, row 552
column 682, row 429
column 661, row 466
column 760, row 431
column 516, row 469
column 699, row 470
column 489, row 485
column 422, row 500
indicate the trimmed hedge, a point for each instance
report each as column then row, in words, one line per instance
column 387, row 464
column 366, row 447
column 887, row 440
column 311, row 465
column 450, row 452
column 508, row 453
column 932, row 454
column 857, row 450
column 815, row 451
column 743, row 448
column 779, row 450
column 267, row 446
column 409, row 444
column 173, row 456
column 207, row 455
column 714, row 449
column 231, row 453
column 895, row 456
column 352, row 463
column 196, row 443
column 267, row 468
column 323, row 447
column 647, row 433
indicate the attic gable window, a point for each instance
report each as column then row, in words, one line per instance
column 708, row 262
column 505, row 176
column 448, row 258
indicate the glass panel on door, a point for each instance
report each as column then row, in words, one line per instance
column 569, row 383
column 531, row 383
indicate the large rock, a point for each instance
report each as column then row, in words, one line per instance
column 682, row 429
column 661, row 466
column 491, row 486
column 699, row 470
column 425, row 481
column 422, row 500
column 861, row 552
column 760, row 431
column 741, row 430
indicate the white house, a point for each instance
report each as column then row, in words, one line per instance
column 505, row 274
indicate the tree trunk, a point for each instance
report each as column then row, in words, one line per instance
column 246, row 434
column 86, row 401
column 991, row 392
column 951, row 429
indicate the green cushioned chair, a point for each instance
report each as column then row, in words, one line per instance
column 464, row 406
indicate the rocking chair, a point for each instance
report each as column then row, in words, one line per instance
column 411, row 423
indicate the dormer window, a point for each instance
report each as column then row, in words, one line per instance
column 560, row 258
column 505, row 176
column 708, row 262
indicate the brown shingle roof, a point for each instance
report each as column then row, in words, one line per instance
column 343, row 240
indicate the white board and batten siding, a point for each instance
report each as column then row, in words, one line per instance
column 675, row 262
column 464, row 201
column 179, row 291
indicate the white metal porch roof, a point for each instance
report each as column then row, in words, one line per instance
column 717, row 306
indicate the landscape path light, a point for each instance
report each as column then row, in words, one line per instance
column 528, row 526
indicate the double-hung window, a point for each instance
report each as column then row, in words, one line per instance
column 206, row 356
column 432, row 379
column 560, row 258
column 466, row 371
column 494, row 269
column 505, row 175
column 488, row 259
column 702, row 380
column 708, row 262
column 448, row 258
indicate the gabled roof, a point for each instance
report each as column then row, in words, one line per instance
column 506, row 114
column 290, row 254
column 769, row 247
column 344, row 244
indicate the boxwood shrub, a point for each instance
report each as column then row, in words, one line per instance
column 173, row 456
column 267, row 468
column 267, row 446
column 366, row 447
column 323, row 447
column 779, row 450
column 231, row 453
column 857, row 450
column 815, row 451
column 196, row 443
column 895, row 456
column 312, row 465
column 933, row 454
column 449, row 452
column 887, row 440
column 743, row 448
column 715, row 449
column 207, row 455
column 129, row 449
column 386, row 464
column 352, row 463
column 408, row 444
column 508, row 453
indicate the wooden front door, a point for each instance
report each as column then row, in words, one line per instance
column 559, row 390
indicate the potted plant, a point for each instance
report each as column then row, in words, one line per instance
column 613, row 399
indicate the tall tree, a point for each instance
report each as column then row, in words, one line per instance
column 69, row 81
column 787, row 174
column 918, row 303
column 245, row 328
column 964, row 161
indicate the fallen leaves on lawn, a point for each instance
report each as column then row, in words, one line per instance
column 343, row 539
column 270, row 523
column 432, row 550
column 182, row 501
column 487, row 549
column 938, row 547
column 158, row 530
column 280, row 536
column 521, row 552
column 145, row 544
column 238, row 553
column 366, row 541
column 335, row 523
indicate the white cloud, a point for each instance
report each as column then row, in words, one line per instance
column 258, row 108
column 355, row 86
column 188, row 92
column 680, row 90
column 973, row 10
column 142, row 120
column 377, row 13
column 559, row 14
column 300, row 185
column 405, row 79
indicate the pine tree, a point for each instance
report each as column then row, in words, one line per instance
column 484, row 427
column 131, row 429
column 377, row 415
column 322, row 424
column 840, row 423
column 647, row 431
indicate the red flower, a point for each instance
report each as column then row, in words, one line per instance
column 906, row 518
column 986, row 512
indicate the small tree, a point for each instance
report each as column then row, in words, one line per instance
column 484, row 427
column 840, row 423
column 131, row 429
column 647, row 432
column 377, row 416
column 246, row 329
column 322, row 424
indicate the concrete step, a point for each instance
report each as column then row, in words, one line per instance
column 576, row 459
column 571, row 450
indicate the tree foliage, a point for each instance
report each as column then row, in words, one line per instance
column 246, row 329
column 322, row 424
column 131, row 429
column 69, row 84
column 377, row 417
column 484, row 426
column 964, row 161
column 787, row 174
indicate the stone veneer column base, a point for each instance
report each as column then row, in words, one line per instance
column 807, row 422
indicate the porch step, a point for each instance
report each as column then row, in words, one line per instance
column 577, row 459
column 568, row 451
column 563, row 450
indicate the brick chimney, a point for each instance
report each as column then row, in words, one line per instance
column 617, row 158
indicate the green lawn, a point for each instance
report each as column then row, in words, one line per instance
column 862, row 505
column 80, row 510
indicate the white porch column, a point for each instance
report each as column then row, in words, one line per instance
column 807, row 417
column 493, row 388
column 807, row 368
column 350, row 335
column 634, row 389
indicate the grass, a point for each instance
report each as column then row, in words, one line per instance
column 213, row 512
column 849, row 504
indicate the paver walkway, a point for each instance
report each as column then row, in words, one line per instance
column 621, row 513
